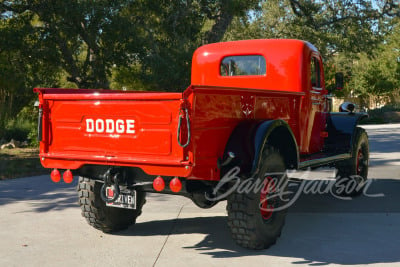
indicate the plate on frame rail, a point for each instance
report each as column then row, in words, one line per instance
column 125, row 200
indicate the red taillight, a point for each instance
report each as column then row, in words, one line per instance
column 159, row 184
column 175, row 185
column 67, row 177
column 55, row 176
column 110, row 193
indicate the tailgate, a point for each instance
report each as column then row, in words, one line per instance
column 110, row 127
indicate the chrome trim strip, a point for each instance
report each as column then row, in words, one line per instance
column 323, row 161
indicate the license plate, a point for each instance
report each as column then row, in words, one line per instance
column 125, row 200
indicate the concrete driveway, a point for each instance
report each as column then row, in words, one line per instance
column 41, row 225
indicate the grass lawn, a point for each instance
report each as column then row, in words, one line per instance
column 20, row 162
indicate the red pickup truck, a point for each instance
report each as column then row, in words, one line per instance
column 259, row 107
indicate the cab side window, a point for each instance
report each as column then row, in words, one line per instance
column 315, row 73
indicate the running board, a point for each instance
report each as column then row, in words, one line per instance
column 323, row 161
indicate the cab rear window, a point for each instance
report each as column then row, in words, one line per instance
column 243, row 65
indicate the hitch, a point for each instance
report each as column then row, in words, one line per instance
column 110, row 180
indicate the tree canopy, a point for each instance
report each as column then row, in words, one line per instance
column 89, row 38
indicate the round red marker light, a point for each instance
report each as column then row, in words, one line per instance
column 55, row 176
column 175, row 185
column 67, row 177
column 159, row 184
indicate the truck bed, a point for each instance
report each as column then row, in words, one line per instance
column 104, row 127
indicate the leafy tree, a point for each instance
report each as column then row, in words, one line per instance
column 378, row 73
column 333, row 26
column 87, row 37
column 171, row 31
column 90, row 38
column 24, row 63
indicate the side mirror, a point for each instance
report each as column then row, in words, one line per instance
column 347, row 107
column 339, row 80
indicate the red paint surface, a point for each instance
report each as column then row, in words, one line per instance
column 216, row 104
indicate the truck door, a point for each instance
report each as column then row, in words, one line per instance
column 318, row 104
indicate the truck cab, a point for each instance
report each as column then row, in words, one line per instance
column 277, row 78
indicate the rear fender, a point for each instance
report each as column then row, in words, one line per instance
column 249, row 138
column 241, row 144
column 341, row 128
column 278, row 134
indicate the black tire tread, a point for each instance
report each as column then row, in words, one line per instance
column 242, row 220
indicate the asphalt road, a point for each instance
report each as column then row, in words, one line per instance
column 41, row 225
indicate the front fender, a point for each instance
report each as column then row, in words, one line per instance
column 341, row 129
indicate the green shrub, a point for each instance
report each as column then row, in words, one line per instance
column 17, row 129
column 377, row 116
column 32, row 136
column 23, row 127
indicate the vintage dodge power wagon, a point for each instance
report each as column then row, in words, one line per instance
column 258, row 107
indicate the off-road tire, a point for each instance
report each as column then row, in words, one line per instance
column 248, row 227
column 98, row 215
column 355, row 169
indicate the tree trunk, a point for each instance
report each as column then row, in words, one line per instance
column 218, row 30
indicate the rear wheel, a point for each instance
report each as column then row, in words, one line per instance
column 352, row 173
column 98, row 215
column 253, row 217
